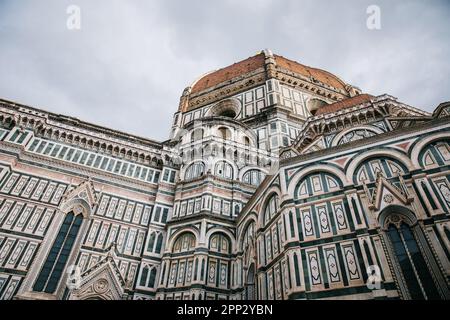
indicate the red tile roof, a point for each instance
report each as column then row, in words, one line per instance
column 250, row 64
column 321, row 75
column 347, row 103
column 214, row 78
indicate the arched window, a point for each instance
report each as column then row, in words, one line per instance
column 246, row 141
column 436, row 153
column 53, row 268
column 250, row 292
column 159, row 243
column 152, row 278
column 248, row 235
column 195, row 170
column 368, row 170
column 228, row 113
column 184, row 242
column 144, row 276
column 197, row 135
column 248, row 240
column 151, row 242
column 317, row 183
column 271, row 208
column 414, row 269
column 148, row 277
column 224, row 133
column 224, row 170
column 219, row 243
column 165, row 214
column 253, row 177
column 226, row 108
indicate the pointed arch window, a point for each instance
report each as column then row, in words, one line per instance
column 53, row 268
column 417, row 275
column 144, row 276
column 159, row 243
column 155, row 242
column 151, row 279
column 151, row 242
column 271, row 208
column 248, row 235
column 250, row 290
column 248, row 240
column 148, row 277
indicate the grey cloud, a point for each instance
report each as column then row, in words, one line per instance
column 128, row 65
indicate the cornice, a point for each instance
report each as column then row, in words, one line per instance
column 376, row 109
column 54, row 127
column 310, row 85
column 365, row 142
column 78, row 170
column 31, row 115
column 203, row 214
column 226, row 89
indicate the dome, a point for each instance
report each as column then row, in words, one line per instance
column 240, row 68
column 258, row 61
column 318, row 74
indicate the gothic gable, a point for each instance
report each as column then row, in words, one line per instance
column 386, row 193
column 80, row 199
column 443, row 110
column 102, row 281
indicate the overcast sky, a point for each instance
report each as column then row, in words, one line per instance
column 130, row 61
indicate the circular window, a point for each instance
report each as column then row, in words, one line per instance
column 229, row 108
column 228, row 113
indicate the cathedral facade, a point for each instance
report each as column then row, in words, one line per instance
column 278, row 181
